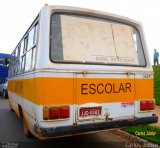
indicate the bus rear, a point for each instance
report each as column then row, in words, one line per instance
column 101, row 74
column 91, row 73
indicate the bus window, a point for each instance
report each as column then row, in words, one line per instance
column 25, row 44
column 92, row 40
column 22, row 48
column 36, row 34
column 16, row 53
column 33, row 57
column 28, row 64
column 23, row 63
column 30, row 39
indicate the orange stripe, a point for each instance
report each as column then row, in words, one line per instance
column 58, row 91
column 53, row 91
column 144, row 89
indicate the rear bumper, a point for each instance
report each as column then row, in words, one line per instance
column 91, row 127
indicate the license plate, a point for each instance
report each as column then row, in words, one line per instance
column 94, row 111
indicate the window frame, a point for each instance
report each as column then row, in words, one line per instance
column 32, row 48
column 22, row 54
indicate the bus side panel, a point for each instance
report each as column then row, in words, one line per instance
column 21, row 95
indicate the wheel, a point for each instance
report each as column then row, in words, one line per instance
column 5, row 94
column 10, row 107
column 25, row 128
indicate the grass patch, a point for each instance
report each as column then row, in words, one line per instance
column 143, row 132
column 156, row 69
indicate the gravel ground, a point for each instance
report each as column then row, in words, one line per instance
column 157, row 112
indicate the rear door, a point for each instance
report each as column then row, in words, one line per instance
column 104, row 96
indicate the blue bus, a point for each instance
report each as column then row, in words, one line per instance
column 3, row 66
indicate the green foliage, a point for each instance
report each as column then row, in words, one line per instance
column 156, row 69
column 146, row 129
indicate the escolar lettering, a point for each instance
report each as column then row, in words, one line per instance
column 105, row 88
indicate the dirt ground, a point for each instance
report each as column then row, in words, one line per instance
column 157, row 112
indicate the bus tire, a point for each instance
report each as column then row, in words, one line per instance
column 10, row 107
column 25, row 128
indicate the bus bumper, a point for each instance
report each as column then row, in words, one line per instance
column 91, row 127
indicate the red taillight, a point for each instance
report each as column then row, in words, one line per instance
column 56, row 112
column 143, row 105
column 147, row 105
column 64, row 112
column 150, row 105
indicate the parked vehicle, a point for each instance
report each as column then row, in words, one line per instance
column 3, row 88
column 4, row 62
column 78, row 71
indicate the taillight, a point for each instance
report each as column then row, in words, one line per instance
column 56, row 112
column 64, row 112
column 143, row 105
column 45, row 113
column 147, row 105
column 150, row 105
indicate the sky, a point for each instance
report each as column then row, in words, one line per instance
column 17, row 15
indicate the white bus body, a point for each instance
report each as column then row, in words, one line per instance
column 77, row 71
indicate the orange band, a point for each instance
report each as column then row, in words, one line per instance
column 57, row 91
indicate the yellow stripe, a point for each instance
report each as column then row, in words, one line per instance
column 58, row 91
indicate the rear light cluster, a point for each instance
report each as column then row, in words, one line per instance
column 56, row 112
column 147, row 105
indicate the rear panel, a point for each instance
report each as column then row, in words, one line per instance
column 95, row 63
column 114, row 93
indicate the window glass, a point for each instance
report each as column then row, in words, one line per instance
column 22, row 48
column 13, row 56
column 16, row 53
column 20, row 65
column 33, row 56
column 19, row 50
column 16, row 67
column 30, row 39
column 11, row 70
column 23, row 63
column 93, row 40
column 25, row 44
column 36, row 33
column 23, row 57
column 28, row 65
column 2, row 81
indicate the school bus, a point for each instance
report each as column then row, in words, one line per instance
column 78, row 71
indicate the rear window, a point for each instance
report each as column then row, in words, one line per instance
column 83, row 39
